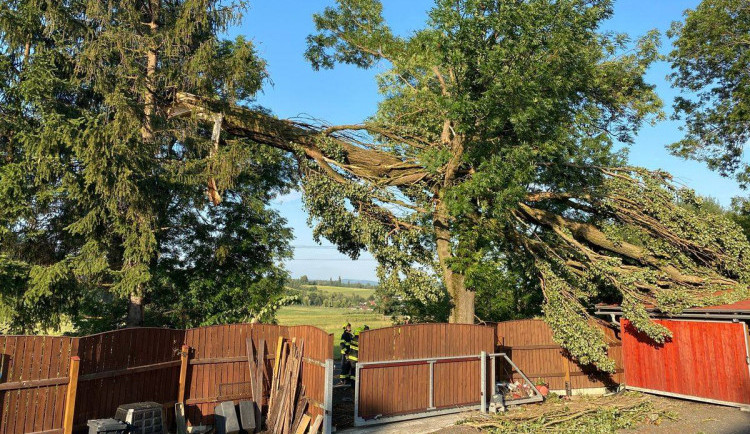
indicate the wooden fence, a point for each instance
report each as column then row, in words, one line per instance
column 402, row 387
column 142, row 364
column 530, row 345
column 219, row 370
column 388, row 390
column 33, row 382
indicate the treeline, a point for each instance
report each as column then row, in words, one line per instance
column 312, row 296
column 339, row 283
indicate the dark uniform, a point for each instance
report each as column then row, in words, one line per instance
column 346, row 366
column 353, row 355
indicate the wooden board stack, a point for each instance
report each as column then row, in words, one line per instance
column 287, row 402
column 258, row 376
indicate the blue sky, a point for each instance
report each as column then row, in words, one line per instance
column 348, row 95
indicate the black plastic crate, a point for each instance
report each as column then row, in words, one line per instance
column 107, row 426
column 142, row 417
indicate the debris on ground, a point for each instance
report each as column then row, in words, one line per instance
column 581, row 415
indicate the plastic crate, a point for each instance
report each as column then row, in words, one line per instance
column 107, row 426
column 142, row 417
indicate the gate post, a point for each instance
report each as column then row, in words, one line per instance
column 328, row 398
column 356, row 394
column 70, row 395
column 184, row 355
column 483, row 379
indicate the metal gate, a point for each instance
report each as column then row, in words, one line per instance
column 413, row 371
column 450, row 388
column 705, row 360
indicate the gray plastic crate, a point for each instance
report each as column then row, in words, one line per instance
column 142, row 417
column 107, row 426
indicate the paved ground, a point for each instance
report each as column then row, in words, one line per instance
column 445, row 424
column 693, row 417
column 696, row 417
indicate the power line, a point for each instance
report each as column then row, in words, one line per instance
column 331, row 259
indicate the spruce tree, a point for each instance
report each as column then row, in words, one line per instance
column 95, row 174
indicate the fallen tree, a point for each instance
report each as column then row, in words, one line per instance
column 635, row 232
column 492, row 153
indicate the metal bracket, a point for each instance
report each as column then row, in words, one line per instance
column 432, row 385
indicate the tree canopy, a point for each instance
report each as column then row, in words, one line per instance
column 711, row 62
column 491, row 161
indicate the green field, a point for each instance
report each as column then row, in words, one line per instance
column 364, row 292
column 331, row 319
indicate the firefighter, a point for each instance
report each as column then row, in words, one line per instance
column 353, row 354
column 346, row 340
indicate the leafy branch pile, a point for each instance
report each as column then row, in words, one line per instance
column 587, row 415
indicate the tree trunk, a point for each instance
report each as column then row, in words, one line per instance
column 149, row 98
column 135, row 301
column 455, row 283
column 135, row 311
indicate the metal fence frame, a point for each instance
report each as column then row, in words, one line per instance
column 328, row 403
column 431, row 410
column 537, row 397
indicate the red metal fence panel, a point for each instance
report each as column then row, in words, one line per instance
column 704, row 359
column 530, row 345
column 392, row 390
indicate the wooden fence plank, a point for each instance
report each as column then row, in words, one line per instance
column 70, row 396
column 8, row 348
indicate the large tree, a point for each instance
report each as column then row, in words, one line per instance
column 711, row 62
column 103, row 196
column 491, row 156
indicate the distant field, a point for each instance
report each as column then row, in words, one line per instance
column 331, row 319
column 364, row 292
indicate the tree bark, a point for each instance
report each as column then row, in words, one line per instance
column 361, row 161
column 455, row 283
column 149, row 97
column 135, row 311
